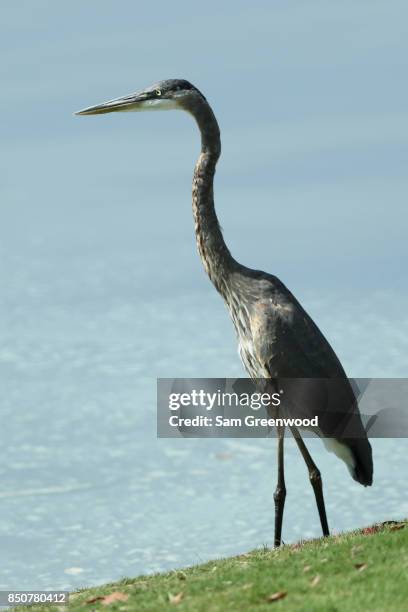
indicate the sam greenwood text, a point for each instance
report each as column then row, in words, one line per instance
column 248, row 421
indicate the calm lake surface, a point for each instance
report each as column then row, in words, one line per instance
column 101, row 289
column 88, row 494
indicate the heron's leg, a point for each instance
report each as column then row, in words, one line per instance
column 280, row 491
column 315, row 479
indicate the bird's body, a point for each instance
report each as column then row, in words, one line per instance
column 277, row 339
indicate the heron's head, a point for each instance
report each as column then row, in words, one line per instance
column 165, row 95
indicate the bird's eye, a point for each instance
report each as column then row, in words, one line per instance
column 158, row 92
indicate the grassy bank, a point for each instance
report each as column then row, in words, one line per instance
column 363, row 570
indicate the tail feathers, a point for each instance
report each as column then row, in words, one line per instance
column 363, row 456
column 356, row 454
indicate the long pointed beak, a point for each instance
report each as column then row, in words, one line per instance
column 132, row 102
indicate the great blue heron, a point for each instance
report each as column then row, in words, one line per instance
column 277, row 338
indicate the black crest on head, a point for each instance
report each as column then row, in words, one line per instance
column 173, row 85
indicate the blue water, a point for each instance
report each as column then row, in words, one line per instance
column 102, row 290
column 89, row 494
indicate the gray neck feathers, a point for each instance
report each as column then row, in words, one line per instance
column 213, row 251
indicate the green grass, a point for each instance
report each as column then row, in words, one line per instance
column 363, row 570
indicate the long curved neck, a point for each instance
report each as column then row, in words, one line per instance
column 213, row 251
